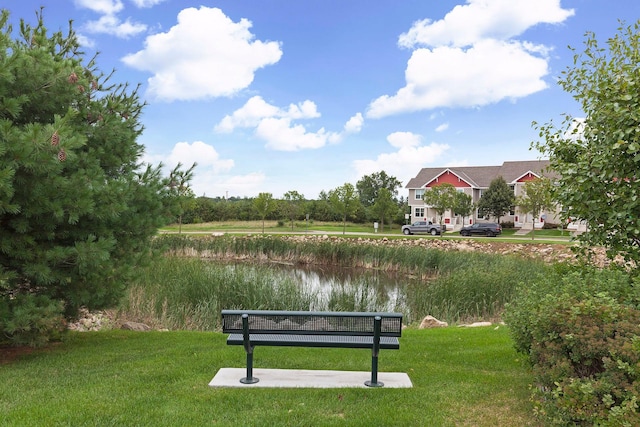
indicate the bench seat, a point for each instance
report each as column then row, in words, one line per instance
column 336, row 341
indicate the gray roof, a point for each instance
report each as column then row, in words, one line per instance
column 481, row 176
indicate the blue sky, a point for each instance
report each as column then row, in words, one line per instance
column 280, row 95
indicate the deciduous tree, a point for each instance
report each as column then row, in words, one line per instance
column 462, row 205
column 180, row 191
column 264, row 204
column 440, row 198
column 293, row 204
column 384, row 207
column 537, row 197
column 497, row 200
column 344, row 200
column 369, row 187
column 597, row 156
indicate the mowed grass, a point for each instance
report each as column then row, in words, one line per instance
column 461, row 377
column 300, row 227
column 273, row 227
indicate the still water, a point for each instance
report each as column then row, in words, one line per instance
column 342, row 289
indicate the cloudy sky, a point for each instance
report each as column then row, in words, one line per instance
column 279, row 95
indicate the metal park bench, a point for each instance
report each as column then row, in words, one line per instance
column 251, row 328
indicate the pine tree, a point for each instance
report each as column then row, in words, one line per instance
column 77, row 209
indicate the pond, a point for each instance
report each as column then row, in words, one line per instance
column 189, row 292
column 340, row 289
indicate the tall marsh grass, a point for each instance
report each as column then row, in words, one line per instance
column 185, row 290
column 335, row 252
column 188, row 293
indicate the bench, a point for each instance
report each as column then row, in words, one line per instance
column 251, row 328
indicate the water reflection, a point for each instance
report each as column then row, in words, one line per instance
column 340, row 289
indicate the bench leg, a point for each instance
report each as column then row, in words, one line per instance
column 377, row 326
column 249, row 379
column 374, row 374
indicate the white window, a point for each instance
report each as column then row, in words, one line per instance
column 419, row 213
column 419, row 194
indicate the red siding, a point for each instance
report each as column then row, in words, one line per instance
column 448, row 178
column 528, row 177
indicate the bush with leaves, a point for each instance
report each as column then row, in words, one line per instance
column 596, row 155
column 581, row 331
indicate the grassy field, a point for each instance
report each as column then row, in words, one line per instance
column 272, row 227
column 461, row 377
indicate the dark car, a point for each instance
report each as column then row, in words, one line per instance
column 488, row 229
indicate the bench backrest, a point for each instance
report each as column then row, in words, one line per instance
column 312, row 323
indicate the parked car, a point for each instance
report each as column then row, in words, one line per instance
column 489, row 229
column 423, row 227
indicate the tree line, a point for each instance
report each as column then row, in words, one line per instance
column 374, row 198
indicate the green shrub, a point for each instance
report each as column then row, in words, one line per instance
column 31, row 320
column 581, row 330
column 551, row 226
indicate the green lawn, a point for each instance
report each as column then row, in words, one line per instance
column 461, row 377
column 272, row 227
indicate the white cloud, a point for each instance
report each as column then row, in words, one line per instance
column 257, row 109
column 249, row 115
column 470, row 58
column 146, row 3
column 276, row 125
column 442, row 127
column 212, row 175
column 204, row 55
column 280, row 134
column 107, row 7
column 198, row 152
column 481, row 19
column 208, row 183
column 404, row 139
column 410, row 156
column 354, row 124
column 487, row 73
column 111, row 24
column 240, row 185
column 86, row 41
column 233, row 186
column 305, row 110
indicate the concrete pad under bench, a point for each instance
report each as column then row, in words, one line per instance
column 230, row 377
